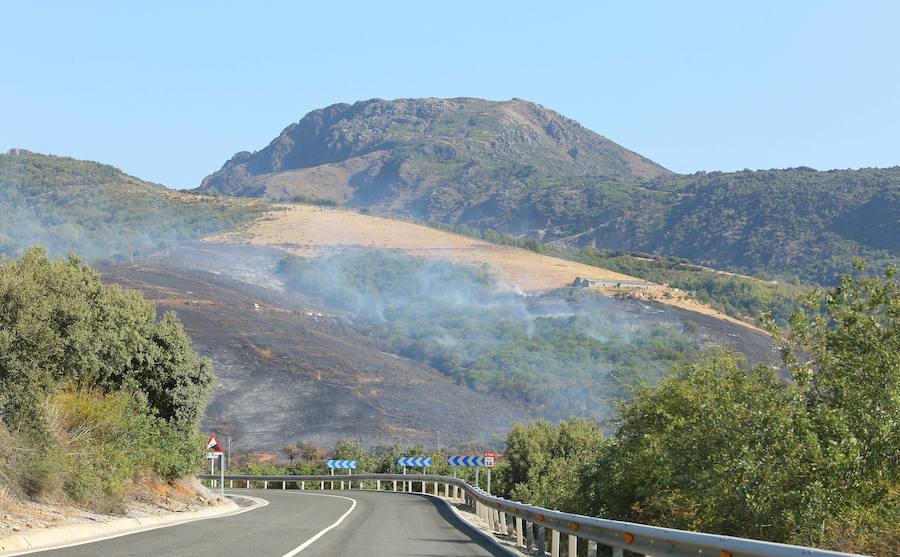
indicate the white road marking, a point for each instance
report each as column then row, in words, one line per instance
column 334, row 525
column 259, row 504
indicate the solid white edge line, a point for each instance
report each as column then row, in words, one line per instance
column 321, row 533
column 260, row 503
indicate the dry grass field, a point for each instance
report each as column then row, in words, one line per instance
column 310, row 230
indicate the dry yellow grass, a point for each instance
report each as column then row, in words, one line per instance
column 309, row 231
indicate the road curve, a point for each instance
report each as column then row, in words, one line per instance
column 309, row 524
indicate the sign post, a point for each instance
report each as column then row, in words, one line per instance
column 413, row 461
column 214, row 451
column 341, row 465
column 489, row 458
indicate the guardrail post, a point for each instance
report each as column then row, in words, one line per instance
column 230, row 484
column 342, row 485
column 529, row 535
column 395, row 485
column 265, row 484
column 435, row 488
column 593, row 549
column 616, row 551
column 377, row 485
column 519, row 540
column 283, row 485
column 504, row 524
column 302, row 486
column 573, row 546
column 541, row 539
column 554, row 543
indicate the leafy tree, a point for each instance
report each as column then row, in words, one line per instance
column 542, row 460
column 59, row 324
column 93, row 388
column 716, row 448
column 721, row 448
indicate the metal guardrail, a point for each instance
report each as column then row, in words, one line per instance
column 527, row 524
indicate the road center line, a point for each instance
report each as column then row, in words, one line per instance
column 327, row 529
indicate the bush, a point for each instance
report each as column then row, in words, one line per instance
column 95, row 389
column 59, row 324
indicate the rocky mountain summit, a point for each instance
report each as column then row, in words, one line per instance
column 431, row 157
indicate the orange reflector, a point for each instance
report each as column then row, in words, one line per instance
column 723, row 553
column 540, row 517
column 629, row 538
column 498, row 505
column 573, row 526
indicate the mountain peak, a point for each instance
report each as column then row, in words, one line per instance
column 400, row 152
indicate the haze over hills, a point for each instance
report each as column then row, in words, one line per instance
column 99, row 212
column 520, row 168
column 354, row 340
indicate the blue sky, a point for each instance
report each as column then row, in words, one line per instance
column 169, row 91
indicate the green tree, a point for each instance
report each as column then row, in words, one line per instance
column 542, row 459
column 60, row 325
column 720, row 448
column 716, row 448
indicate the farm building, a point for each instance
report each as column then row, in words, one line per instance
column 632, row 284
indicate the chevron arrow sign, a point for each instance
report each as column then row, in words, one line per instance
column 461, row 460
column 414, row 461
column 351, row 464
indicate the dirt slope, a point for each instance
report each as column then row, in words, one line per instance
column 288, row 369
column 311, row 230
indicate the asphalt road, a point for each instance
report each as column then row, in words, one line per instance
column 295, row 523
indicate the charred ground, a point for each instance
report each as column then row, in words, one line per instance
column 289, row 368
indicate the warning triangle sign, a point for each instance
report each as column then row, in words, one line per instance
column 213, row 444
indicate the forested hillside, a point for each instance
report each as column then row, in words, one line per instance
column 98, row 211
column 562, row 354
column 518, row 168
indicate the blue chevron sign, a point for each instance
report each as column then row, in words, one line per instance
column 414, row 461
column 351, row 464
column 465, row 460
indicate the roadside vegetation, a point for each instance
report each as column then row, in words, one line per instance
column 95, row 391
column 718, row 447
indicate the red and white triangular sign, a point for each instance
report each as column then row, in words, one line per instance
column 213, row 445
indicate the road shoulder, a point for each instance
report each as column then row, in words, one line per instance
column 77, row 534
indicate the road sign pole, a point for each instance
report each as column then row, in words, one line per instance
column 222, row 474
column 476, row 475
column 489, row 481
